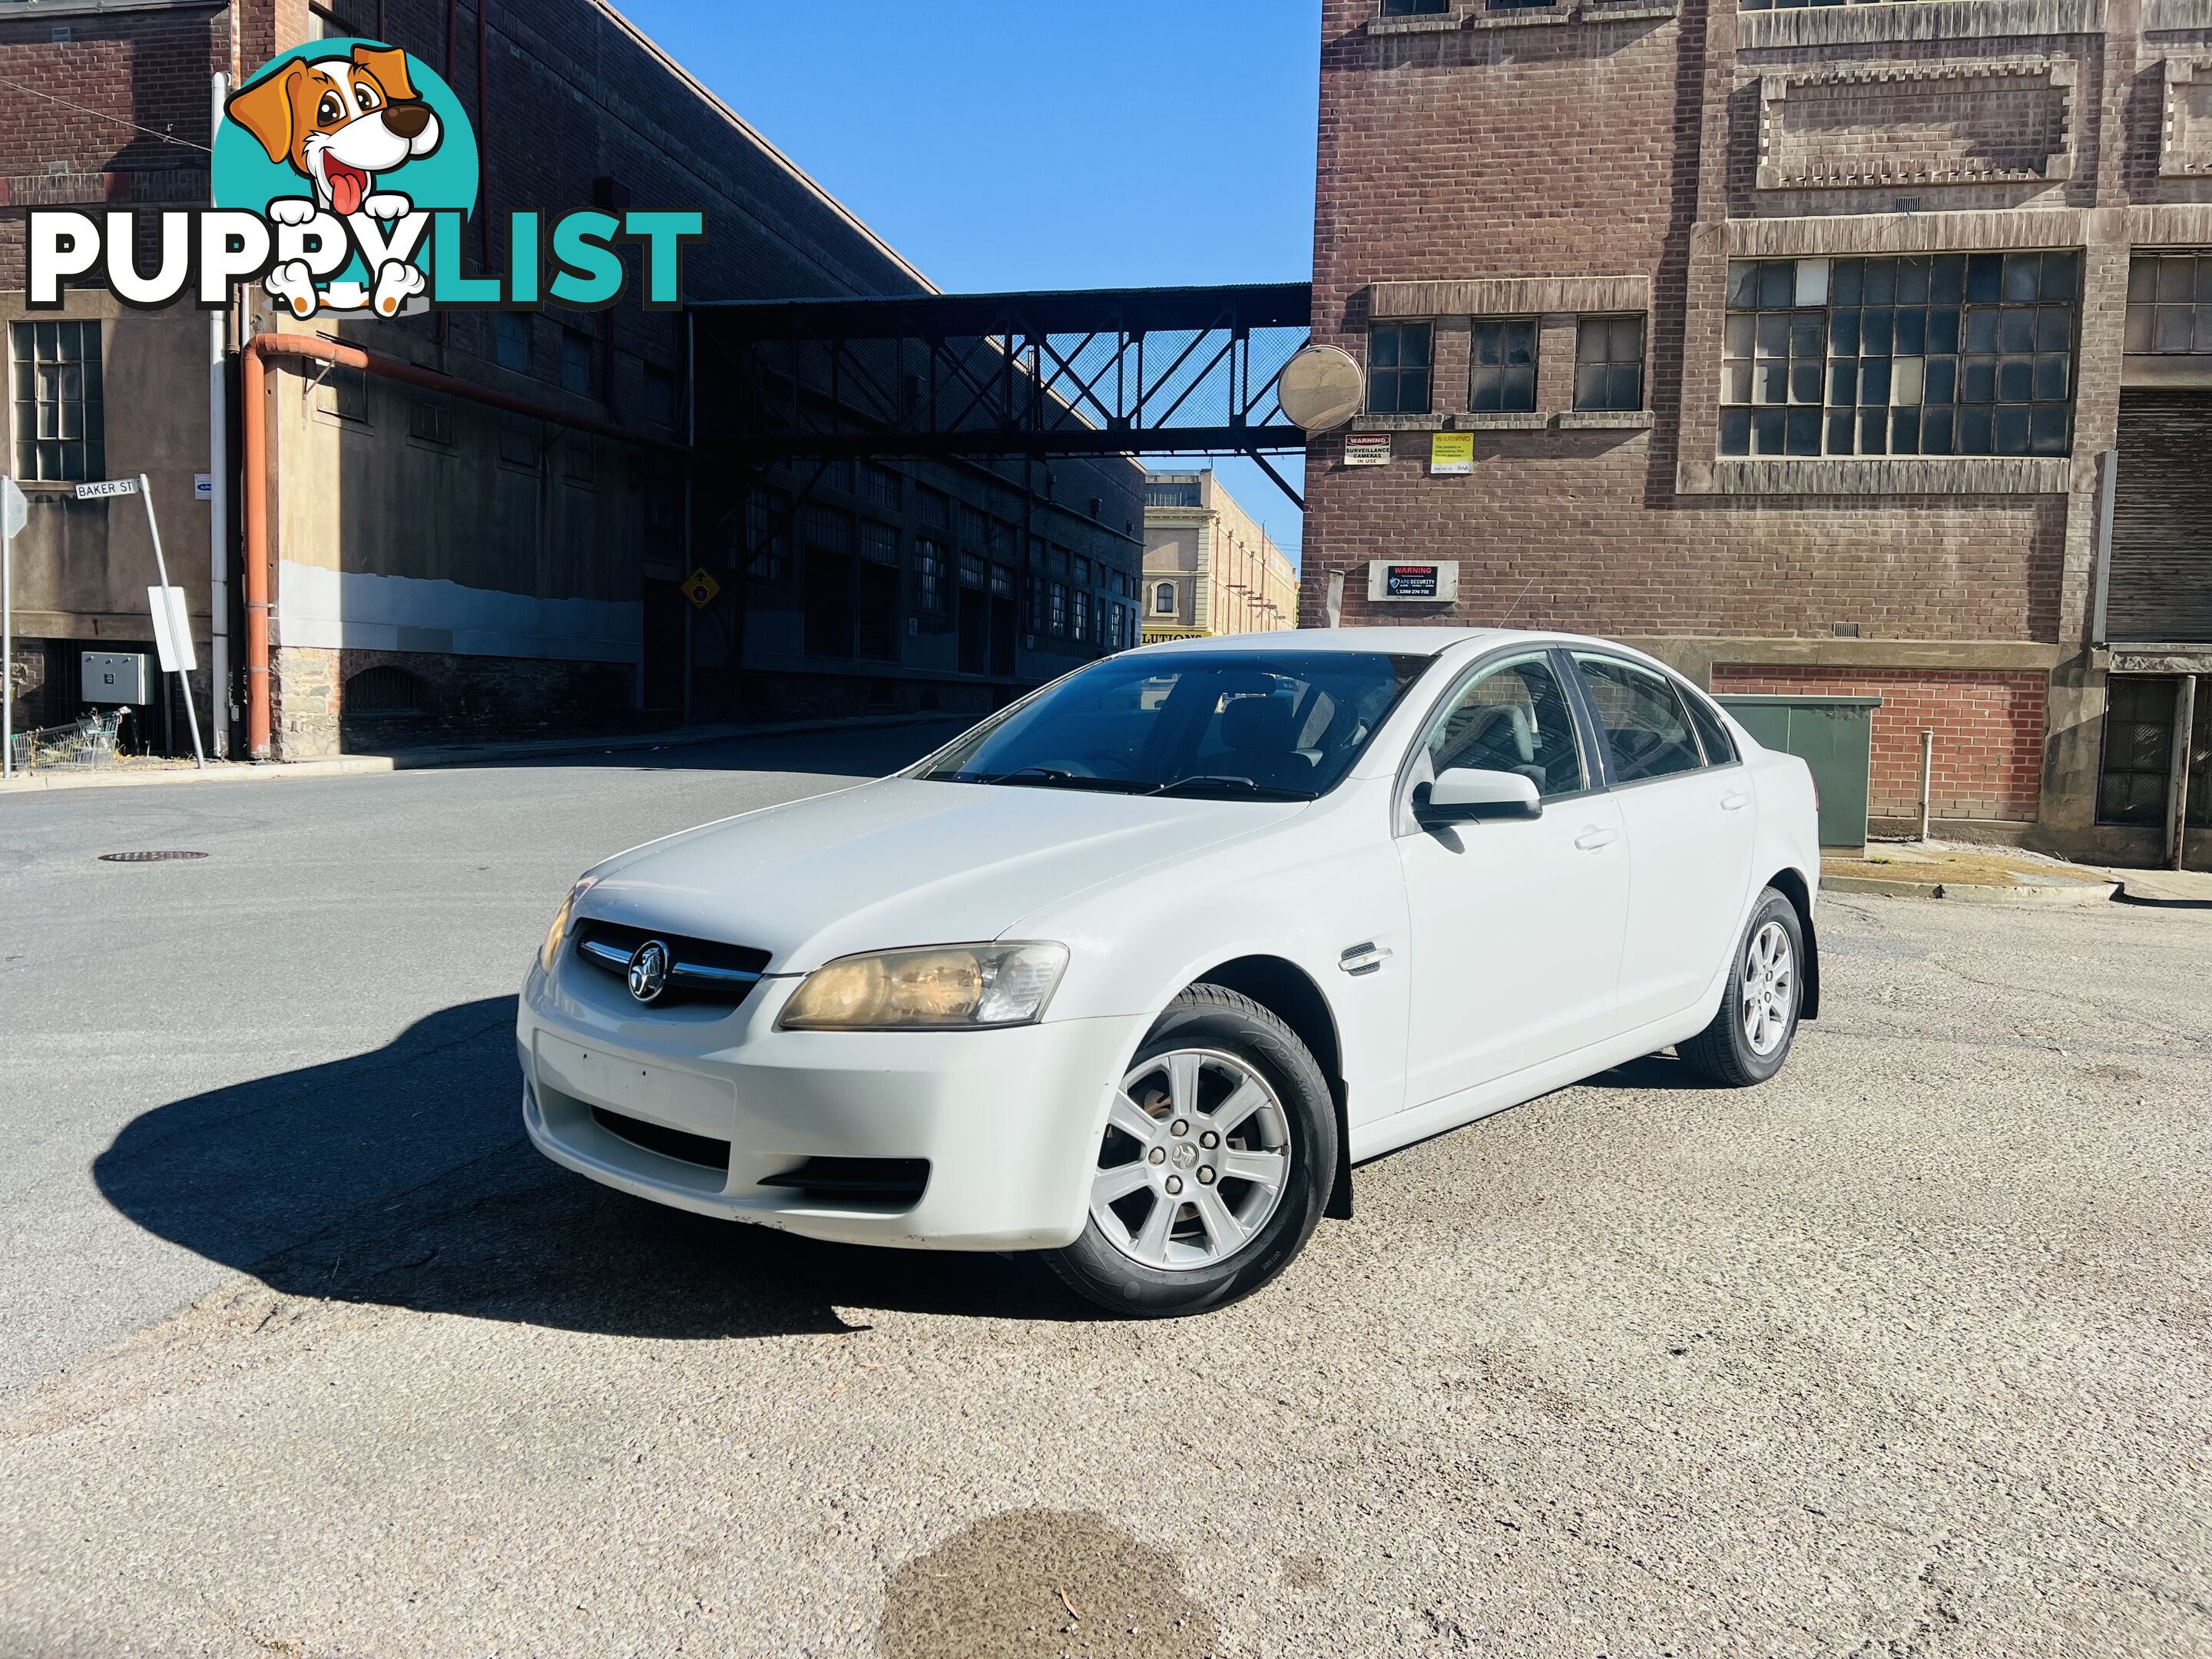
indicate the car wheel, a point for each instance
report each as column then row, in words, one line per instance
column 1215, row 1166
column 1757, row 1021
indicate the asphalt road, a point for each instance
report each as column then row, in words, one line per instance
column 1906, row 1353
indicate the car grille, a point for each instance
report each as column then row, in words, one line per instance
column 701, row 970
column 680, row 1144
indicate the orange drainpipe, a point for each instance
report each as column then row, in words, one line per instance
column 256, row 478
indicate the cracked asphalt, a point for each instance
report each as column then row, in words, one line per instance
column 304, row 1351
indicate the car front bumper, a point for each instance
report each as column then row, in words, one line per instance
column 1007, row 1120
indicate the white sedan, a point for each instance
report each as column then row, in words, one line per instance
column 1135, row 970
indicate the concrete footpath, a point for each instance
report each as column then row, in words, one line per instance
column 1976, row 874
column 459, row 754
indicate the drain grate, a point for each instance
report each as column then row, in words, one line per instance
column 147, row 858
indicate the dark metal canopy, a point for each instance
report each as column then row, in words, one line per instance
column 1095, row 372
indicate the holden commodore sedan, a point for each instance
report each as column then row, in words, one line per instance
column 1135, row 971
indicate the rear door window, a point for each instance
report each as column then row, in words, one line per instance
column 1647, row 731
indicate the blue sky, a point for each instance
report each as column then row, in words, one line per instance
column 1041, row 144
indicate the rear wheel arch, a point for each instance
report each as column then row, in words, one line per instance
column 1792, row 885
column 1288, row 992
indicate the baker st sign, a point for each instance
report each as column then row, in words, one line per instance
column 1429, row 583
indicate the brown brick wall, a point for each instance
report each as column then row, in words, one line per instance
column 1989, row 734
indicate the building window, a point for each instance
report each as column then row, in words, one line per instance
column 430, row 418
column 511, row 340
column 2170, row 303
column 928, row 575
column 344, row 392
column 1175, row 492
column 882, row 486
column 878, row 543
column 1079, row 625
column 518, row 441
column 767, row 537
column 1502, row 359
column 1056, row 612
column 935, row 507
column 972, row 572
column 827, row 528
column 660, row 400
column 1163, row 599
column 1946, row 353
column 576, row 456
column 1415, row 7
column 576, row 362
column 1609, row 362
column 975, row 528
column 1398, row 355
column 61, row 427
column 1002, row 582
column 2136, row 770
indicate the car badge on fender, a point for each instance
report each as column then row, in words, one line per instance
column 648, row 970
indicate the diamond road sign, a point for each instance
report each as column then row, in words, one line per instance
column 699, row 588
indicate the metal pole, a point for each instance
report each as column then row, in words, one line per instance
column 161, row 570
column 2185, row 720
column 218, row 507
column 1927, row 778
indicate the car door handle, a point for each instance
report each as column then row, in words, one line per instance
column 1734, row 801
column 1597, row 836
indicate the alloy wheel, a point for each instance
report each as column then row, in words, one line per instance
column 1195, row 1159
column 1770, row 988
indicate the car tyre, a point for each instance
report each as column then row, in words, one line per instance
column 1240, row 1042
column 1752, row 1031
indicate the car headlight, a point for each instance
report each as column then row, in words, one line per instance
column 550, row 951
column 943, row 987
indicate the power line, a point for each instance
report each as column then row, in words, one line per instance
column 102, row 115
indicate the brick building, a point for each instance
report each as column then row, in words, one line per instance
column 1210, row 567
column 440, row 564
column 1853, row 347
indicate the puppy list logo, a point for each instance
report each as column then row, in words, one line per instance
column 344, row 177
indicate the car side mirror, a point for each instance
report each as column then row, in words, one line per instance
column 1464, row 794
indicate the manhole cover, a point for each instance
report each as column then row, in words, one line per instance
column 146, row 858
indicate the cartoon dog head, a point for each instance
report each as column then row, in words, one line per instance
column 340, row 121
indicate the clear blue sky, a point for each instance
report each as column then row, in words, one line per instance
column 1041, row 144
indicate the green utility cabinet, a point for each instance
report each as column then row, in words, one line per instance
column 1834, row 736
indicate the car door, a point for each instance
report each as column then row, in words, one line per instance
column 1515, row 924
column 1690, row 832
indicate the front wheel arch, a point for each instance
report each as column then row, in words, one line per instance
column 1288, row 992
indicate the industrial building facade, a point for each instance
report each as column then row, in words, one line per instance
column 1210, row 567
column 439, row 563
column 1860, row 349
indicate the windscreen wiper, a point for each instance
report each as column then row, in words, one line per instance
column 1244, row 786
column 1055, row 777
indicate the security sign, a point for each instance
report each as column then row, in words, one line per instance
column 1428, row 583
column 699, row 588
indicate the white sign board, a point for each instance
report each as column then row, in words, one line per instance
column 88, row 492
column 172, row 630
column 1404, row 582
column 203, row 486
column 14, row 511
column 1367, row 449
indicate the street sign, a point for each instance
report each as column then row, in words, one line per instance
column 172, row 630
column 93, row 492
column 15, row 510
column 699, row 588
column 1367, row 449
column 203, row 486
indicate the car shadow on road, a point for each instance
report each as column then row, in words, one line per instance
column 401, row 1177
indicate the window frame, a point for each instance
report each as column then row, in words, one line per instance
column 1609, row 366
column 1412, row 770
column 1396, row 369
column 25, row 402
column 1535, row 366
column 1172, row 607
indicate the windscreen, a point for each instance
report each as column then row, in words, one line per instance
column 1271, row 726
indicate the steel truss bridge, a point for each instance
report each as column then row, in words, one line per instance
column 1037, row 376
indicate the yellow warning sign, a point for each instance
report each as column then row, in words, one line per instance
column 699, row 588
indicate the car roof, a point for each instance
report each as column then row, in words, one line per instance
column 1393, row 642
